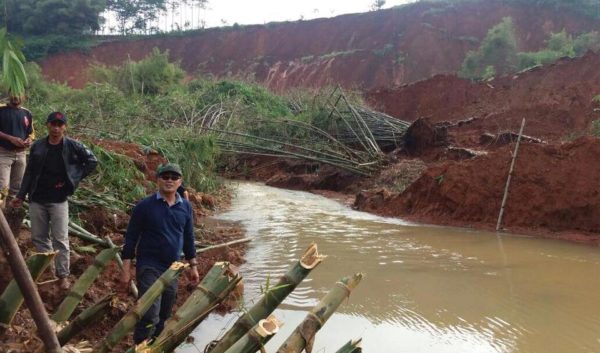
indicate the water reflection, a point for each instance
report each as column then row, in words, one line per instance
column 427, row 289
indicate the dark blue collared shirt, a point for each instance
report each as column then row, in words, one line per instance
column 157, row 232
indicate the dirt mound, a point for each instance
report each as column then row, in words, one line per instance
column 557, row 101
column 379, row 48
column 554, row 187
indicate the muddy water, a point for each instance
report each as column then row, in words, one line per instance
column 427, row 289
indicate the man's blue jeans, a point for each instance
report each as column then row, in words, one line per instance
column 153, row 321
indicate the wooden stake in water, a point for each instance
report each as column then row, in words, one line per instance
column 510, row 172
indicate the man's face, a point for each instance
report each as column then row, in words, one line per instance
column 56, row 129
column 169, row 182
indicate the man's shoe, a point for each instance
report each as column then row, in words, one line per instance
column 63, row 283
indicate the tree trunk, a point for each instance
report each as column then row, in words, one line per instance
column 28, row 288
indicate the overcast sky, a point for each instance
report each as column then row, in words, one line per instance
column 227, row 12
column 262, row 11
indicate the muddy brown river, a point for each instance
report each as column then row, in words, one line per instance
column 427, row 289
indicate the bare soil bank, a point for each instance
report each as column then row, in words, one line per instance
column 367, row 50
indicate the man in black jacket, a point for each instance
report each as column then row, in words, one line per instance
column 55, row 167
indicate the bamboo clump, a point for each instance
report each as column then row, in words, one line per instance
column 69, row 304
column 12, row 298
column 271, row 299
column 126, row 324
column 303, row 336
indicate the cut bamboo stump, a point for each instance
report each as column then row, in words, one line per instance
column 213, row 288
column 69, row 304
column 272, row 298
column 123, row 327
column 257, row 337
column 352, row 346
column 12, row 298
column 89, row 315
column 303, row 336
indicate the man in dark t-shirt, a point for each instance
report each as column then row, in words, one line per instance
column 55, row 167
column 16, row 134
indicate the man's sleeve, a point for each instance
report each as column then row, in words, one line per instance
column 189, row 248
column 88, row 159
column 30, row 129
column 134, row 230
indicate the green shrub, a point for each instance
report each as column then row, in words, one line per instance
column 596, row 128
column 39, row 47
column 498, row 49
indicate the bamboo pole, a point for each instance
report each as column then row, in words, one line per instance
column 353, row 346
column 257, row 337
column 215, row 287
column 303, row 336
column 28, row 287
column 271, row 299
column 127, row 323
column 510, row 173
column 217, row 246
column 68, row 305
column 12, row 298
column 93, row 313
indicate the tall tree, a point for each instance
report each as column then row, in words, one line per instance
column 39, row 17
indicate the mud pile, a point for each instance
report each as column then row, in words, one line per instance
column 554, row 188
column 556, row 100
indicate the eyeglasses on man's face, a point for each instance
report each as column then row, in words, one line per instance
column 173, row 177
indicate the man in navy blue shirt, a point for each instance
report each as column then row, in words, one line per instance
column 161, row 226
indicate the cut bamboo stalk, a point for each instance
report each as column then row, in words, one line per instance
column 12, row 298
column 215, row 287
column 68, row 305
column 257, row 337
column 353, row 346
column 93, row 313
column 303, row 336
column 272, row 298
column 510, row 173
column 87, row 237
column 126, row 324
column 217, row 246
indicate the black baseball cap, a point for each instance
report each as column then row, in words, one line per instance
column 56, row 116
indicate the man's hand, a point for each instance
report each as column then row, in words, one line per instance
column 193, row 275
column 16, row 203
column 125, row 278
column 17, row 142
column 27, row 142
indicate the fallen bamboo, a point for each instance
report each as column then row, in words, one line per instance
column 126, row 324
column 12, row 298
column 303, row 336
column 87, row 236
column 271, row 299
column 217, row 246
column 68, row 305
column 93, row 313
column 510, row 173
column 255, row 339
column 352, row 346
column 27, row 287
column 215, row 287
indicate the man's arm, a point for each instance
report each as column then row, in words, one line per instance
column 12, row 139
column 189, row 247
column 134, row 229
column 87, row 158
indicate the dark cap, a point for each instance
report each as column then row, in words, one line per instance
column 56, row 116
column 169, row 168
